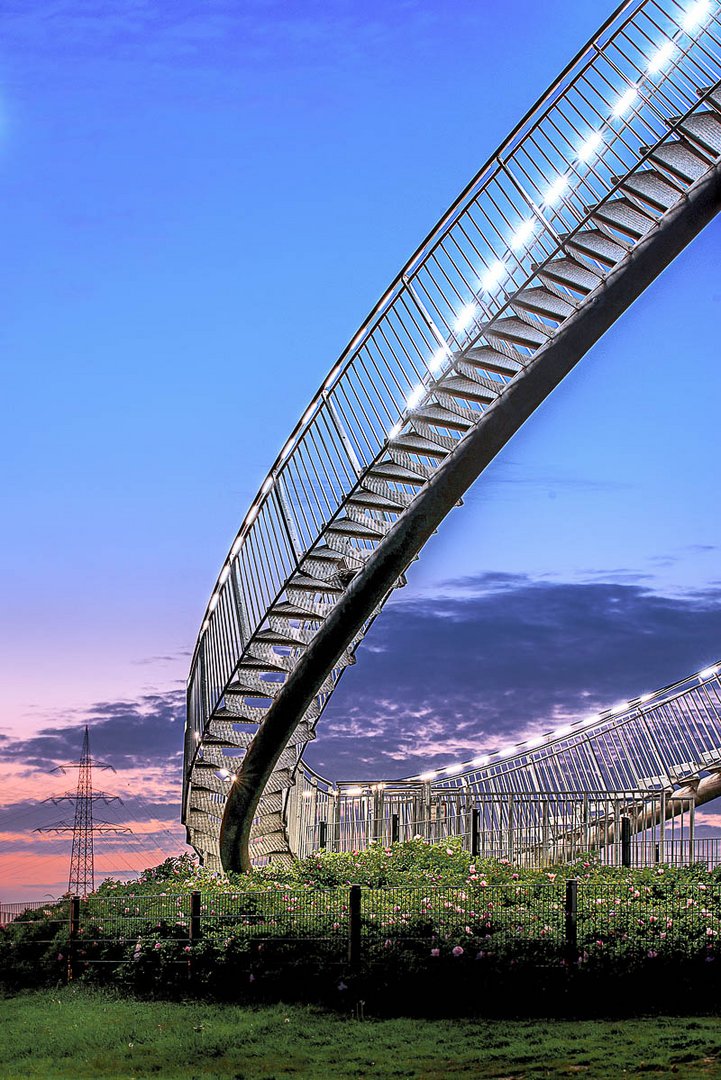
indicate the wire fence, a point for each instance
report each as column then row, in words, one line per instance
column 559, row 923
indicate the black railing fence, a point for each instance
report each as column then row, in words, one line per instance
column 555, row 923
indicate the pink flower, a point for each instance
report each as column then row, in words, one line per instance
column 187, row 948
column 449, row 851
column 435, row 952
column 157, row 945
column 458, row 950
column 468, row 930
column 652, row 954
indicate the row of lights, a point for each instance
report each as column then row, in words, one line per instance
column 495, row 274
column 553, row 736
column 506, row 751
column 491, row 279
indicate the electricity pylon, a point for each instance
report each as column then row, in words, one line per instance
column 82, row 861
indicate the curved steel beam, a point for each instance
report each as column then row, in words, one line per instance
column 507, row 413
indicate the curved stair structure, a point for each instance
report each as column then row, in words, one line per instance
column 599, row 187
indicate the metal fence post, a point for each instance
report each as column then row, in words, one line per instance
column 475, row 831
column 395, row 831
column 322, row 835
column 625, row 841
column 73, row 931
column 354, row 929
column 195, row 930
column 571, row 911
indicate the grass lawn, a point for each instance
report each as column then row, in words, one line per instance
column 80, row 1033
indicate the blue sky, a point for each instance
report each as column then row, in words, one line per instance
column 199, row 205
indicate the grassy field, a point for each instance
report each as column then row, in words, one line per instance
column 78, row 1033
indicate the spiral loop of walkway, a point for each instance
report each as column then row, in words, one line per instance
column 608, row 178
column 653, row 759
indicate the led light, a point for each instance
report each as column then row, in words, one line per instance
column 661, row 57
column 589, row 720
column 354, row 791
column 224, row 574
column 233, row 777
column 523, row 234
column 426, row 776
column 620, row 707
column 415, row 397
column 286, row 449
column 707, row 672
column 495, row 273
column 451, row 770
column 213, row 602
column 307, row 794
column 625, row 102
column 695, row 15
column 251, row 515
column 556, row 190
column 379, row 787
column 395, row 431
column 532, row 743
column 560, row 732
column 505, row 751
column 309, row 412
column 590, row 146
column 479, row 761
column 267, row 485
column 465, row 318
column 204, row 627
column 237, row 545
column 436, row 362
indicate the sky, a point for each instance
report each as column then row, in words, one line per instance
column 199, row 205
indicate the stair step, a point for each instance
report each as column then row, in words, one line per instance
column 204, row 779
column 495, row 360
column 518, row 331
column 305, row 583
column 623, row 215
column 376, row 500
column 244, row 685
column 570, row 273
column 652, row 188
column 597, row 244
column 391, row 470
column 273, row 844
column 278, row 780
column 280, row 633
column 437, row 414
column 224, row 732
column 414, row 444
column 267, row 824
column 543, row 302
column 421, row 470
column 680, row 160
column 703, row 129
column 469, row 385
column 287, row 610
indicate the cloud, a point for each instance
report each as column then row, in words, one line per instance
column 497, row 657
column 145, row 732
